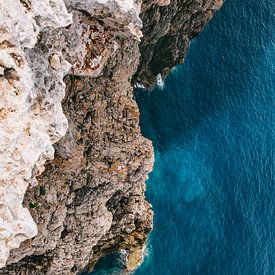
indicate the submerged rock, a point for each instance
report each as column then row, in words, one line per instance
column 73, row 176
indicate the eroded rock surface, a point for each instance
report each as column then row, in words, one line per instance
column 31, row 116
column 90, row 200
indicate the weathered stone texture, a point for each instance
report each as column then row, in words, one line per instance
column 31, row 116
column 90, row 199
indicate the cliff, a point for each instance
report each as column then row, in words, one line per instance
column 73, row 161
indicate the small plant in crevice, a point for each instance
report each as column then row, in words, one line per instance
column 42, row 191
column 33, row 205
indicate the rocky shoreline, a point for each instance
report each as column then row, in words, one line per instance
column 89, row 199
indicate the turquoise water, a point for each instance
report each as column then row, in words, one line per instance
column 212, row 188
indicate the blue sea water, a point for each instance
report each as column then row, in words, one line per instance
column 212, row 187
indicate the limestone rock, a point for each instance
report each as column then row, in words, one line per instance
column 73, row 176
column 32, row 87
column 162, row 2
column 31, row 117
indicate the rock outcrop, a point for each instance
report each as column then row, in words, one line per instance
column 166, row 34
column 63, row 209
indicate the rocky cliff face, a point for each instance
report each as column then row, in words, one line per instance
column 65, row 204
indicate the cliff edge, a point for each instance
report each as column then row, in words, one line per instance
column 73, row 162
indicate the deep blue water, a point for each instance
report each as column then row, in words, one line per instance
column 212, row 187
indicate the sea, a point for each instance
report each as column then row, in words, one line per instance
column 212, row 126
